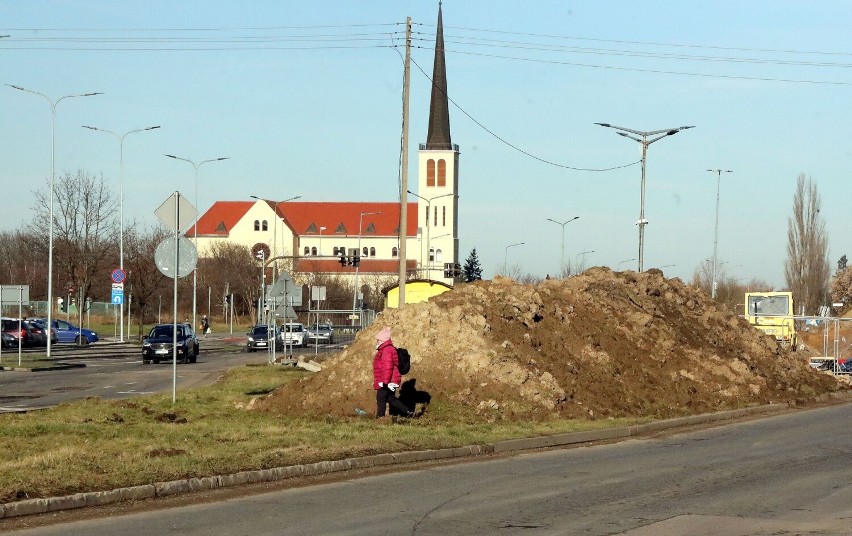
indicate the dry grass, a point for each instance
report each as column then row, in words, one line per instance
column 97, row 445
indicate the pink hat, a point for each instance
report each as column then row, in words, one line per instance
column 383, row 335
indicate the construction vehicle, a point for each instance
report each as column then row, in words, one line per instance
column 772, row 313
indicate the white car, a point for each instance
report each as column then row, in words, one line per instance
column 294, row 334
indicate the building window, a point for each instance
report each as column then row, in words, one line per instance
column 336, row 250
column 265, row 225
column 314, row 252
column 444, row 216
column 372, row 252
column 395, row 252
column 442, row 172
column 438, row 255
column 427, row 215
column 430, row 172
column 365, row 252
column 431, row 254
column 257, row 225
column 307, row 251
column 436, row 216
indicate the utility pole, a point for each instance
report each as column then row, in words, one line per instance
column 403, row 189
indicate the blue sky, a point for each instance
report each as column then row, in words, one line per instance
column 764, row 82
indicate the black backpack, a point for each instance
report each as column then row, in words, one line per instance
column 404, row 363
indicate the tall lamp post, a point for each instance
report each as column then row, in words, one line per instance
column 120, row 138
column 506, row 256
column 642, row 137
column 195, row 225
column 622, row 262
column 718, row 173
column 562, row 223
column 322, row 228
column 428, row 225
column 358, row 254
column 583, row 253
column 53, row 104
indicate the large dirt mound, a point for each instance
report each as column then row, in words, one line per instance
column 599, row 344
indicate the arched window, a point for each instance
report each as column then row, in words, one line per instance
column 438, row 255
column 257, row 225
column 265, row 225
column 314, row 251
column 372, row 252
column 442, row 172
column 430, row 172
column 431, row 254
column 336, row 251
column 307, row 251
column 365, row 252
column 394, row 252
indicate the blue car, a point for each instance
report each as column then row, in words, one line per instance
column 67, row 332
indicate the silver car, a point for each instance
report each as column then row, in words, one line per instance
column 321, row 334
column 294, row 334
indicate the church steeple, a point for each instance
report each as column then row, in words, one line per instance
column 439, row 109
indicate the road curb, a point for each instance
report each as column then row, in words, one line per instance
column 176, row 487
column 57, row 366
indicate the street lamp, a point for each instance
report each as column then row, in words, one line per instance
column 622, row 262
column 718, row 173
column 120, row 138
column 195, row 226
column 53, row 105
column 562, row 223
column 358, row 254
column 322, row 228
column 642, row 137
column 506, row 256
column 428, row 227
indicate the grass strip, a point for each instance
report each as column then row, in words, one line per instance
column 97, row 444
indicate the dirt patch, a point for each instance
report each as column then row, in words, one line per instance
column 600, row 344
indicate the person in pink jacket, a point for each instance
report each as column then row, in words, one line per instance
column 386, row 377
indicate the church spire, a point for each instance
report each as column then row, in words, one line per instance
column 439, row 109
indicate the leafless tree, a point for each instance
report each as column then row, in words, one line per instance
column 85, row 229
column 231, row 266
column 145, row 282
column 806, row 269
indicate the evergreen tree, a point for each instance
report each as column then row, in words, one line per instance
column 472, row 270
column 841, row 264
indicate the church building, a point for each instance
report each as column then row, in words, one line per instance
column 317, row 234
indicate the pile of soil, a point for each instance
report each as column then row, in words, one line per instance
column 599, row 344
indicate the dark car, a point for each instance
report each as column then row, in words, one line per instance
column 66, row 332
column 20, row 330
column 9, row 341
column 42, row 325
column 258, row 337
column 157, row 346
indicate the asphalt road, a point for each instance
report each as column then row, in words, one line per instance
column 782, row 475
column 115, row 370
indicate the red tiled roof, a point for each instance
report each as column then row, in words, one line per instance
column 342, row 219
column 370, row 266
column 221, row 218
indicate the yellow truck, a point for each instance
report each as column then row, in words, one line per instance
column 772, row 313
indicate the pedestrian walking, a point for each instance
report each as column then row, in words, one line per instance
column 386, row 376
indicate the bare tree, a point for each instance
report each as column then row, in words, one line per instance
column 231, row 266
column 85, row 229
column 148, row 284
column 806, row 269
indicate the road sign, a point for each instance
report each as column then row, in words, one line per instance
column 118, row 286
column 186, row 212
column 118, row 275
column 12, row 294
column 164, row 257
column 117, row 296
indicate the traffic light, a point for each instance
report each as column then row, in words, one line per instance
column 356, row 260
column 62, row 305
column 227, row 299
column 343, row 261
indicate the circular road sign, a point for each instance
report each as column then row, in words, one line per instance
column 118, row 275
column 164, row 257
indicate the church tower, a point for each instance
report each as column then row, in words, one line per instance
column 438, row 170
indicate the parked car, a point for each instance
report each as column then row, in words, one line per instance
column 42, row 325
column 9, row 341
column 157, row 346
column 66, row 332
column 294, row 334
column 321, row 333
column 20, row 330
column 38, row 332
column 258, row 337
